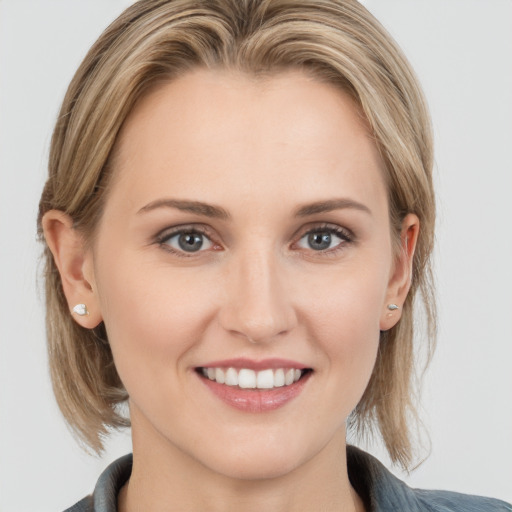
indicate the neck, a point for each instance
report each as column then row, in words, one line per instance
column 165, row 478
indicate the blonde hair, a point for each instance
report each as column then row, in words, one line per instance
column 337, row 41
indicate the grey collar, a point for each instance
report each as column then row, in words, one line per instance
column 380, row 490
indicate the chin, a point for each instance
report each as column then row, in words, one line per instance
column 262, row 457
column 261, row 467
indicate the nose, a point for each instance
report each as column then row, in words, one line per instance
column 257, row 304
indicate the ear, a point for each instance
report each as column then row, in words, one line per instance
column 400, row 279
column 75, row 264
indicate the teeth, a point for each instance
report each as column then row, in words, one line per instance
column 265, row 379
column 219, row 375
column 250, row 379
column 231, row 377
column 279, row 378
column 247, row 379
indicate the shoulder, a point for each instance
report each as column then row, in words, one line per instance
column 384, row 492
column 85, row 505
column 104, row 497
column 445, row 501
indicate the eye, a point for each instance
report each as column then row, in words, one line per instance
column 324, row 239
column 189, row 241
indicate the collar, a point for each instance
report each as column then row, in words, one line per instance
column 379, row 489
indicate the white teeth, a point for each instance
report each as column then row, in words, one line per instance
column 279, row 378
column 219, row 375
column 247, row 379
column 250, row 379
column 265, row 379
column 231, row 377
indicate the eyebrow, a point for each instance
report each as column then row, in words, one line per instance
column 329, row 206
column 216, row 212
column 204, row 209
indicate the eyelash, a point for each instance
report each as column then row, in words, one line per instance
column 166, row 235
column 345, row 235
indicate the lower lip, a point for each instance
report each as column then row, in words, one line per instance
column 256, row 400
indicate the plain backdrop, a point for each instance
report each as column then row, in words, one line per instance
column 462, row 52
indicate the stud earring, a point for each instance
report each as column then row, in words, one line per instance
column 392, row 307
column 81, row 310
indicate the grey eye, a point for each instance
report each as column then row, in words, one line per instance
column 322, row 240
column 189, row 242
column 319, row 241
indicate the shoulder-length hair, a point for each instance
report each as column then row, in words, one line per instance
column 336, row 41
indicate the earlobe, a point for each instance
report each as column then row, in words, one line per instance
column 74, row 262
column 400, row 279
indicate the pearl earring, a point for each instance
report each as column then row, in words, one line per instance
column 81, row 310
column 392, row 307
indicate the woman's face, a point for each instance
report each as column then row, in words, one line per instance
column 245, row 236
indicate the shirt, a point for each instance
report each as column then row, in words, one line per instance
column 379, row 489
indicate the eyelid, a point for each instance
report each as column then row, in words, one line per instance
column 325, row 226
column 345, row 234
column 167, row 233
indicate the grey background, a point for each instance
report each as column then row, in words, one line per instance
column 462, row 52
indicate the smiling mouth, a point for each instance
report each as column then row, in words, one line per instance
column 248, row 379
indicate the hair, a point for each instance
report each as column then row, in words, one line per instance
column 336, row 41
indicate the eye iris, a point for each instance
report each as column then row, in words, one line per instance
column 190, row 242
column 319, row 241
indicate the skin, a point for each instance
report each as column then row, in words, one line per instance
column 260, row 151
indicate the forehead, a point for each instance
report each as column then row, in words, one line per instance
column 289, row 130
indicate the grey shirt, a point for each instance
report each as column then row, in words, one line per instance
column 379, row 489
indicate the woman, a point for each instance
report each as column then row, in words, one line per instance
column 239, row 214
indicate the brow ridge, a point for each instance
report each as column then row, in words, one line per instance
column 212, row 211
column 197, row 207
column 330, row 205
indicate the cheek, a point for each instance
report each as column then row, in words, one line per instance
column 152, row 315
column 343, row 318
column 345, row 302
column 349, row 332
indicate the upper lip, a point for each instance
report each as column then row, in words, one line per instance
column 251, row 364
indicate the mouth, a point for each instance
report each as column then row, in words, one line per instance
column 255, row 387
column 247, row 378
